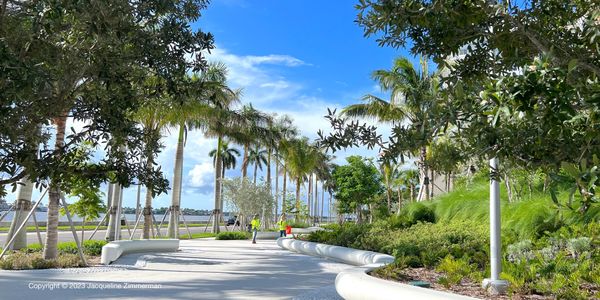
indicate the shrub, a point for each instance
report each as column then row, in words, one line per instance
column 32, row 248
column 432, row 242
column 457, row 269
column 233, row 235
column 69, row 261
column 15, row 261
column 298, row 224
column 38, row 262
column 93, row 247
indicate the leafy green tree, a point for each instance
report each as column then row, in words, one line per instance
column 62, row 61
column 490, row 37
column 356, row 185
column 247, row 199
column 89, row 204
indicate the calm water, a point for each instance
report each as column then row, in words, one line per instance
column 42, row 217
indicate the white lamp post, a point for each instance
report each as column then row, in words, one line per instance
column 494, row 285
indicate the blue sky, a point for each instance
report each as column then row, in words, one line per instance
column 289, row 57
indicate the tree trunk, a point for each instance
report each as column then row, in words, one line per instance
column 322, row 201
column 255, row 171
column 114, row 217
column 432, row 181
column 173, row 229
column 276, row 185
column 412, row 192
column 283, row 189
column 82, row 228
column 147, row 213
column 388, row 190
column 400, row 200
column 309, row 196
column 22, row 207
column 424, row 179
column 245, row 162
column 51, row 243
column 316, row 199
column 297, row 197
column 109, row 210
column 269, row 178
column 218, row 173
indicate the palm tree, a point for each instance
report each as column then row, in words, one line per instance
column 388, row 172
column 255, row 125
column 195, row 111
column 301, row 158
column 258, row 157
column 283, row 129
column 220, row 122
column 228, row 161
column 414, row 98
column 323, row 172
column 228, row 157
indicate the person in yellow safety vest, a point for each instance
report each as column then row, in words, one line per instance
column 255, row 226
column 282, row 225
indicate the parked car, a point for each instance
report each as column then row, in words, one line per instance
column 232, row 221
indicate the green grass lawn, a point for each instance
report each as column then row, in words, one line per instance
column 92, row 227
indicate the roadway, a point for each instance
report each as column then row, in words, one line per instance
column 65, row 236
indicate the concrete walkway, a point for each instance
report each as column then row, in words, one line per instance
column 204, row 269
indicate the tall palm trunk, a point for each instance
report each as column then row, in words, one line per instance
column 255, row 171
column 316, row 199
column 309, row 194
column 51, row 243
column 173, row 229
column 298, row 182
column 283, row 189
column 269, row 178
column 322, row 200
column 245, row 161
column 218, row 174
column 276, row 185
column 22, row 207
column 221, row 184
column 400, row 200
column 388, row 191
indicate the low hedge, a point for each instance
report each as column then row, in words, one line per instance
column 233, row 235
column 91, row 248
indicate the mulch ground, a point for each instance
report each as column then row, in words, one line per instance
column 466, row 287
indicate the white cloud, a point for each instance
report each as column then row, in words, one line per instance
column 201, row 175
column 260, row 86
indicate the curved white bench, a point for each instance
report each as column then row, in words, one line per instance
column 355, row 284
column 267, row 235
column 113, row 250
column 343, row 254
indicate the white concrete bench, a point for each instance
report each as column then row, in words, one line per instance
column 113, row 250
column 343, row 254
